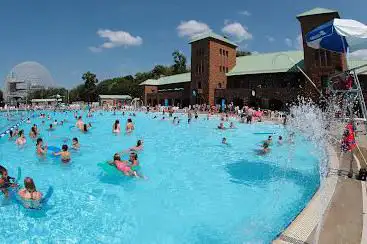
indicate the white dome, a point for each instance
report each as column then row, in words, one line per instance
column 34, row 72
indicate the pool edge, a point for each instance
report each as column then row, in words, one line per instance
column 302, row 226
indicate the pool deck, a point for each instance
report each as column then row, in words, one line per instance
column 345, row 217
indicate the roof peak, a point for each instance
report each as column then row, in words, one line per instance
column 317, row 11
column 213, row 35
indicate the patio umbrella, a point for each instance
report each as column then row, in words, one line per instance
column 338, row 35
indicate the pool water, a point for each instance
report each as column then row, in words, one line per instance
column 197, row 190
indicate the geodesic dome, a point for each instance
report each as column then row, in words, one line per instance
column 32, row 71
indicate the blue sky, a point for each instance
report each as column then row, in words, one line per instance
column 120, row 37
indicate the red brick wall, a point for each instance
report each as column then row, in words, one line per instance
column 199, row 78
column 149, row 90
column 312, row 67
column 218, row 78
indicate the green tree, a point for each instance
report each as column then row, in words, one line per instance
column 179, row 61
column 90, row 86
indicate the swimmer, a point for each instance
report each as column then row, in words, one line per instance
column 129, row 126
column 232, row 126
column 75, row 143
column 280, row 140
column 122, row 166
column 51, row 128
column 89, row 125
column 79, row 123
column 196, row 115
column 269, row 141
column 224, row 141
column 163, row 118
column 265, row 149
column 64, row 153
column 21, row 139
column 61, row 122
column 6, row 181
column 41, row 150
column 33, row 133
column 116, row 127
column 29, row 192
column 189, row 117
column 221, row 126
column 55, row 122
column 85, row 128
column 138, row 147
column 13, row 134
column 28, row 121
column 155, row 117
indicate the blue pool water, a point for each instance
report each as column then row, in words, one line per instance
column 197, row 191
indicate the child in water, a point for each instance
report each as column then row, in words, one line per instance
column 21, row 139
column 75, row 143
column 6, row 181
column 29, row 192
column 64, row 153
column 122, row 166
column 41, row 150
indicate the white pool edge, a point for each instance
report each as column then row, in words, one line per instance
column 307, row 220
column 364, row 206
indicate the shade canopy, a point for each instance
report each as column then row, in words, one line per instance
column 337, row 35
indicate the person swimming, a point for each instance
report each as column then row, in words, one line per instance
column 232, row 126
column 224, row 141
column 75, row 143
column 265, row 149
column 28, row 121
column 129, row 126
column 55, row 122
column 13, row 133
column 79, row 123
column 64, row 153
column 51, row 128
column 221, row 126
column 6, row 181
column 84, row 128
column 138, row 147
column 29, row 192
column 116, row 127
column 34, row 132
column 41, row 150
column 269, row 141
column 280, row 140
column 21, row 140
column 122, row 165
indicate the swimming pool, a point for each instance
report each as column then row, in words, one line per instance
column 197, row 191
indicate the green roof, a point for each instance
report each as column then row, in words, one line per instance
column 213, row 36
column 267, row 63
column 316, row 11
column 126, row 97
column 354, row 63
column 180, row 78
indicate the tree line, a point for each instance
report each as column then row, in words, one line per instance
column 89, row 90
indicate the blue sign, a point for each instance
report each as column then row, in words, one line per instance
column 166, row 102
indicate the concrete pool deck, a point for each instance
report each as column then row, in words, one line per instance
column 345, row 216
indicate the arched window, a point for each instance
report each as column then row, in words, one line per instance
column 219, row 85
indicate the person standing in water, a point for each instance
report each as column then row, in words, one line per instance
column 116, row 127
column 21, row 139
column 129, row 126
column 40, row 149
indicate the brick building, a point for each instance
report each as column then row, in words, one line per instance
column 269, row 80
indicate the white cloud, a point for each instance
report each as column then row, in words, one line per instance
column 360, row 54
column 270, row 38
column 116, row 39
column 245, row 13
column 191, row 28
column 238, row 31
column 288, row 42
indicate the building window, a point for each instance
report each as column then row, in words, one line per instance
column 322, row 58
column 219, row 85
column 227, row 53
column 220, row 68
column 220, row 51
column 199, row 85
column 226, row 69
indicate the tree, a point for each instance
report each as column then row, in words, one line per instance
column 90, row 86
column 240, row 53
column 1, row 96
column 179, row 60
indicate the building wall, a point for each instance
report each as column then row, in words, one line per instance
column 318, row 64
column 149, row 90
column 199, row 71
column 219, row 64
column 166, row 92
column 210, row 60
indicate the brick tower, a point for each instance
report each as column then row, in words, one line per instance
column 319, row 64
column 212, row 56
